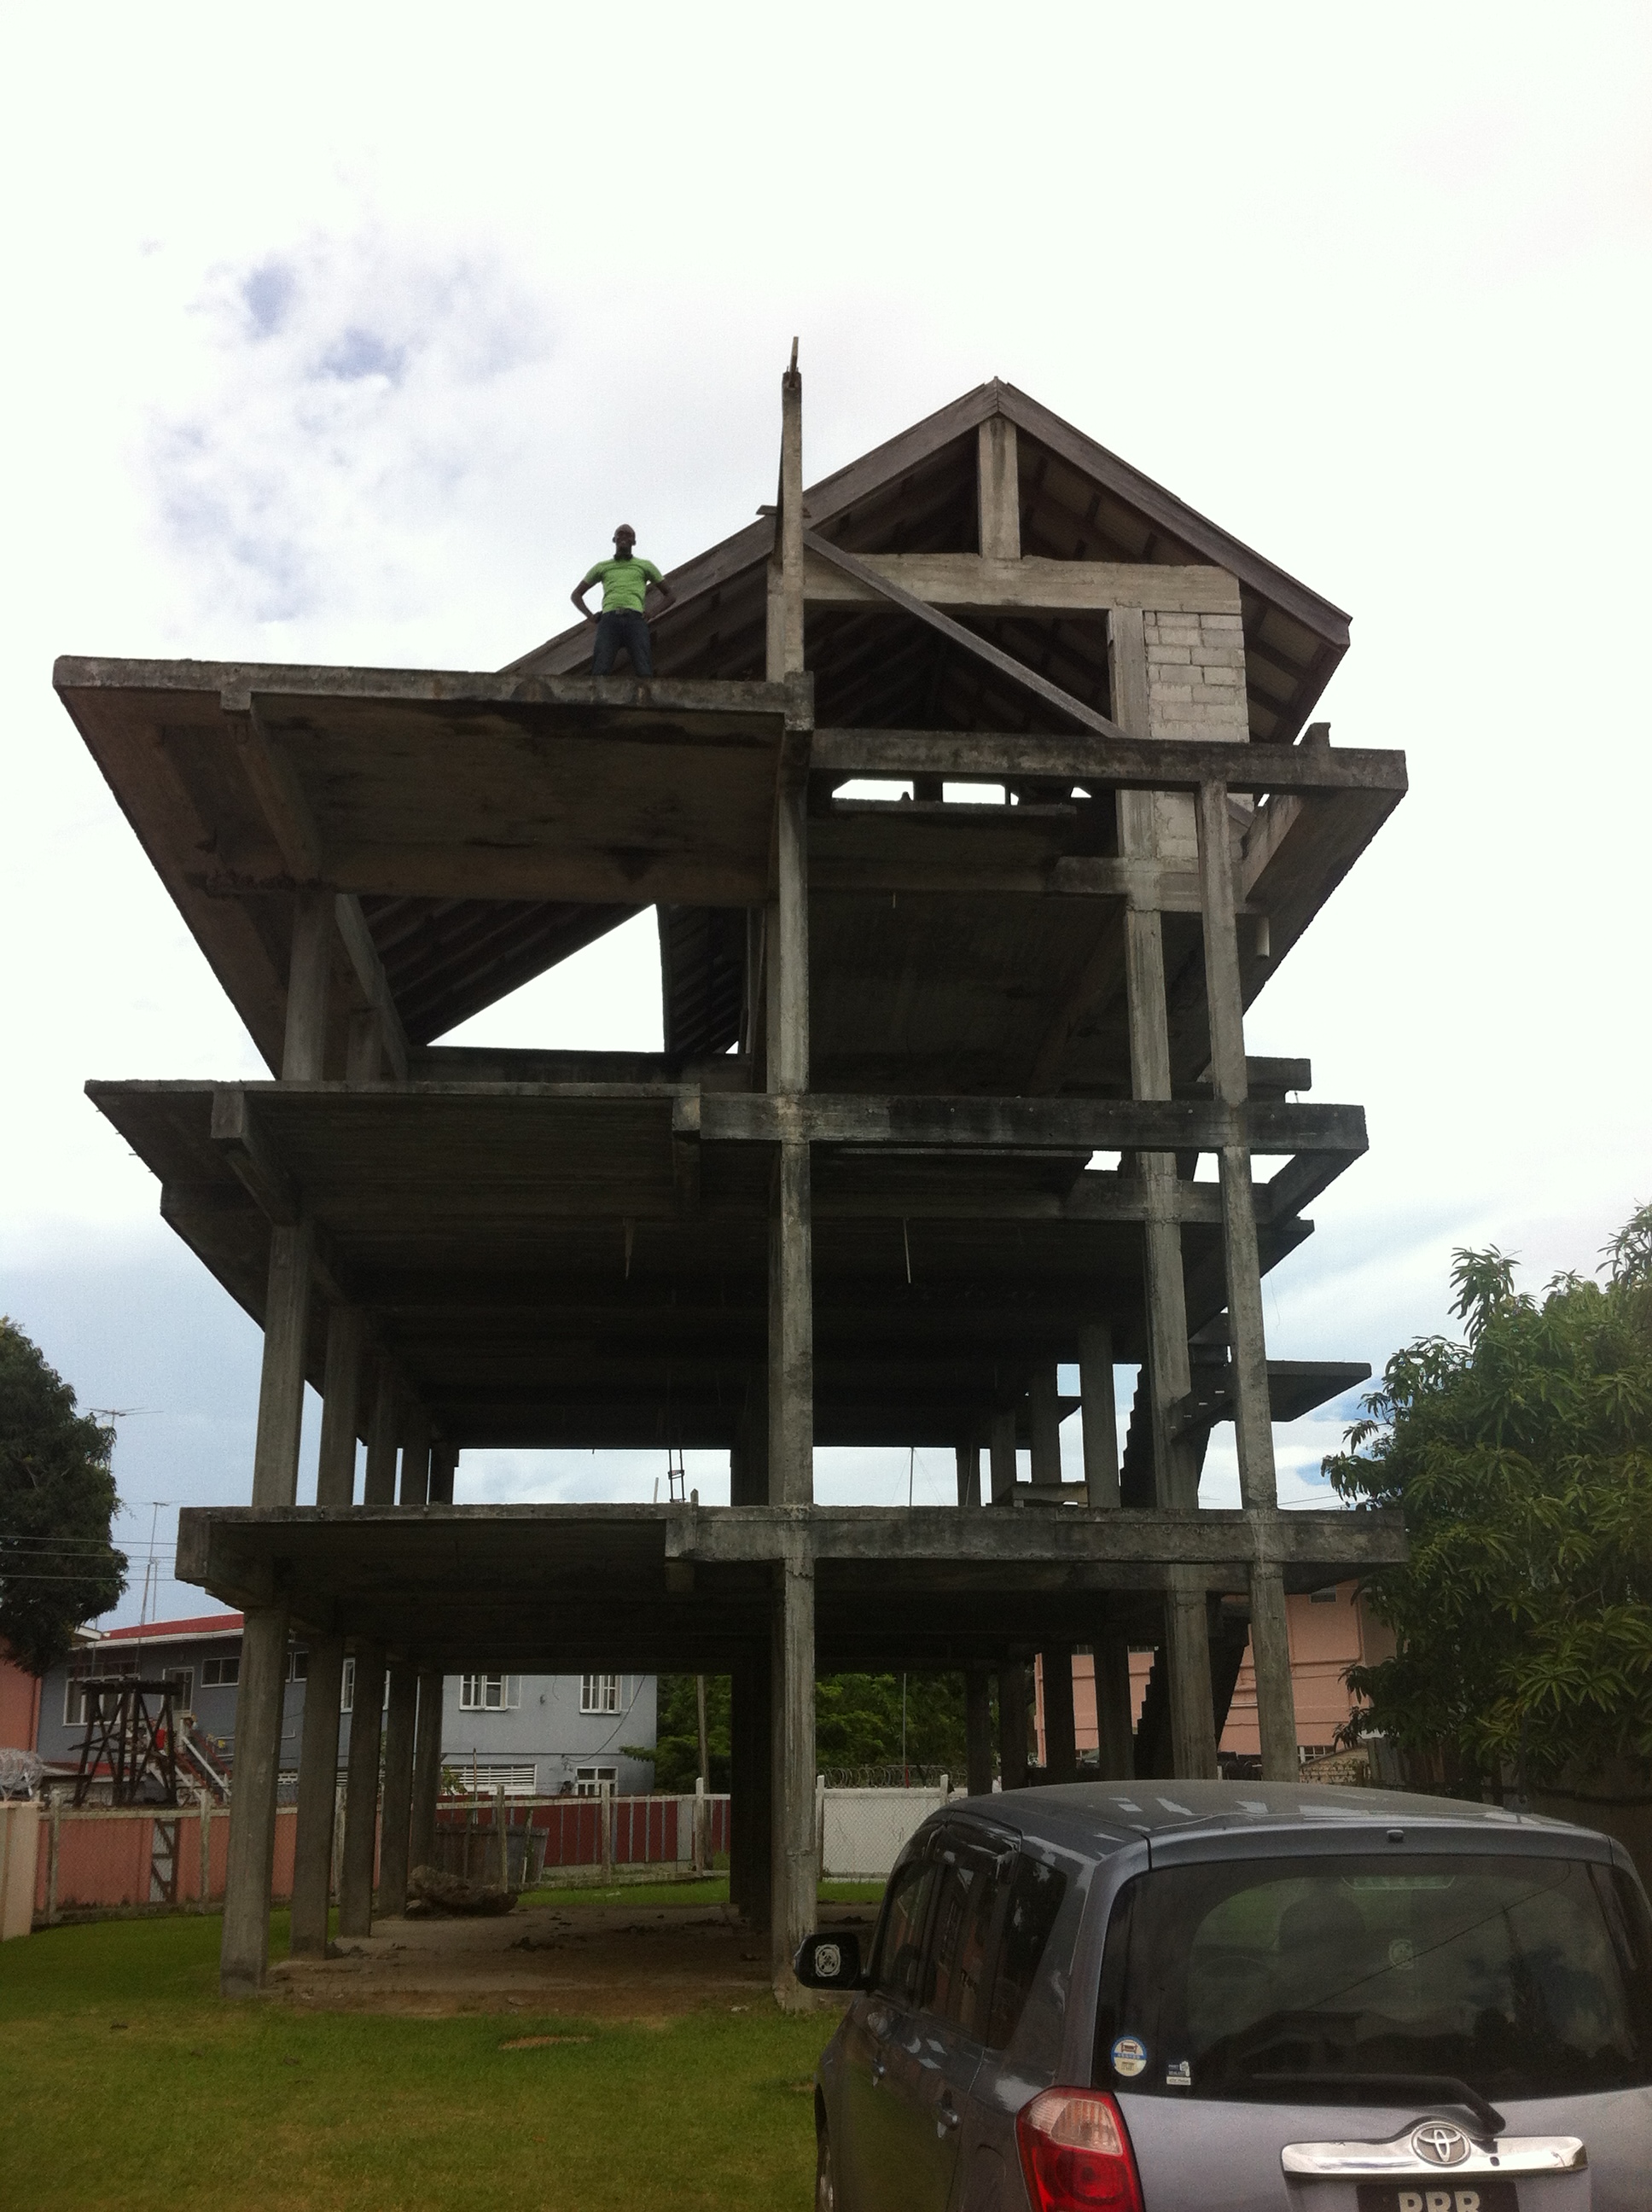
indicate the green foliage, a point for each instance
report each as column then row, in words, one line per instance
column 1522, row 1458
column 57, row 1499
column 857, row 1723
column 675, row 1751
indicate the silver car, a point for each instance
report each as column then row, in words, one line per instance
column 1187, row 1996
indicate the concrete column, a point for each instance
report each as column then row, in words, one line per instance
column 361, row 1793
column 1002, row 1456
column 1115, row 1746
column 1012, row 1726
column 1046, row 1425
column 1099, row 1413
column 1168, row 1376
column 416, row 1455
column 791, row 1334
column 1253, row 1417
column 1060, row 1736
column 341, row 1406
column 426, row 1771
column 444, row 1468
column 1188, row 1655
column 978, row 1731
column 396, row 1808
column 1269, row 1656
column 969, row 1457
column 309, row 976
column 281, row 1384
column 317, row 1789
column 384, row 1438
column 246, row 1942
column 796, row 1858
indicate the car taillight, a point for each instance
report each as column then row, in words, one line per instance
column 1076, row 2154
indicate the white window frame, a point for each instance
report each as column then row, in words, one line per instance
column 489, row 1693
column 346, row 1684
column 588, row 1781
column 599, row 1694
column 221, row 1660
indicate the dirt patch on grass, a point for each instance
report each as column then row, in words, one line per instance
column 603, row 1962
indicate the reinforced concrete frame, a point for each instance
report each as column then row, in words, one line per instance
column 380, row 1177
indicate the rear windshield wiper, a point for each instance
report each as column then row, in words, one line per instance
column 1393, row 2089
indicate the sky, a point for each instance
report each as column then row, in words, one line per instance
column 345, row 334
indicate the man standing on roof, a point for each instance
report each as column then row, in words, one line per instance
column 625, row 581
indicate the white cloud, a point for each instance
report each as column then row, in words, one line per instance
column 363, row 363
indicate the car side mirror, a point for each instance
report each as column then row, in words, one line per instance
column 830, row 1960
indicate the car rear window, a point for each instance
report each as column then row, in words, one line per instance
column 1036, row 1894
column 1521, row 1976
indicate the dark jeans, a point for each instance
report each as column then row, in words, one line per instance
column 623, row 630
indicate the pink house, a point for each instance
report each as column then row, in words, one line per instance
column 1330, row 1631
column 20, row 1705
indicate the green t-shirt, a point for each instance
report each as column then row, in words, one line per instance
column 624, row 584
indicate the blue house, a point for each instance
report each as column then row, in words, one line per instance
column 529, row 1735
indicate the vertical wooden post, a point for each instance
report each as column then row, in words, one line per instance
column 1001, row 1457
column 317, row 1790
column 1013, row 1725
column 341, row 1408
column 426, row 1771
column 383, row 1439
column 793, row 1721
column 203, row 1874
column 1061, row 1734
column 401, row 1721
column 969, row 1457
column 978, row 1731
column 751, row 1790
column 1098, row 1413
column 309, row 975
column 1252, row 1411
column 361, row 1793
column 1115, row 1732
column 998, row 486
column 1046, row 1425
column 245, row 1945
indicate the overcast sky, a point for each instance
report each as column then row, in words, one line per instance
column 346, row 334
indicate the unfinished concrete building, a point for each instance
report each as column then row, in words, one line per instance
column 977, row 797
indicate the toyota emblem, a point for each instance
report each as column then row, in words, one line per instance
column 1439, row 2143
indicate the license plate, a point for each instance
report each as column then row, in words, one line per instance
column 1481, row 2194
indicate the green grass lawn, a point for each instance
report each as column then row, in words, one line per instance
column 129, row 2085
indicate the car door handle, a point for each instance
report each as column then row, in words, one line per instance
column 878, row 2070
column 947, row 2116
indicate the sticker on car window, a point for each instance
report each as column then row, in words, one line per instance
column 1179, row 2076
column 1129, row 2056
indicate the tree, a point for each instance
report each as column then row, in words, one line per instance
column 58, row 1566
column 1522, row 1458
column 857, row 1723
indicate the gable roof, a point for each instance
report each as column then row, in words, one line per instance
column 916, row 493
